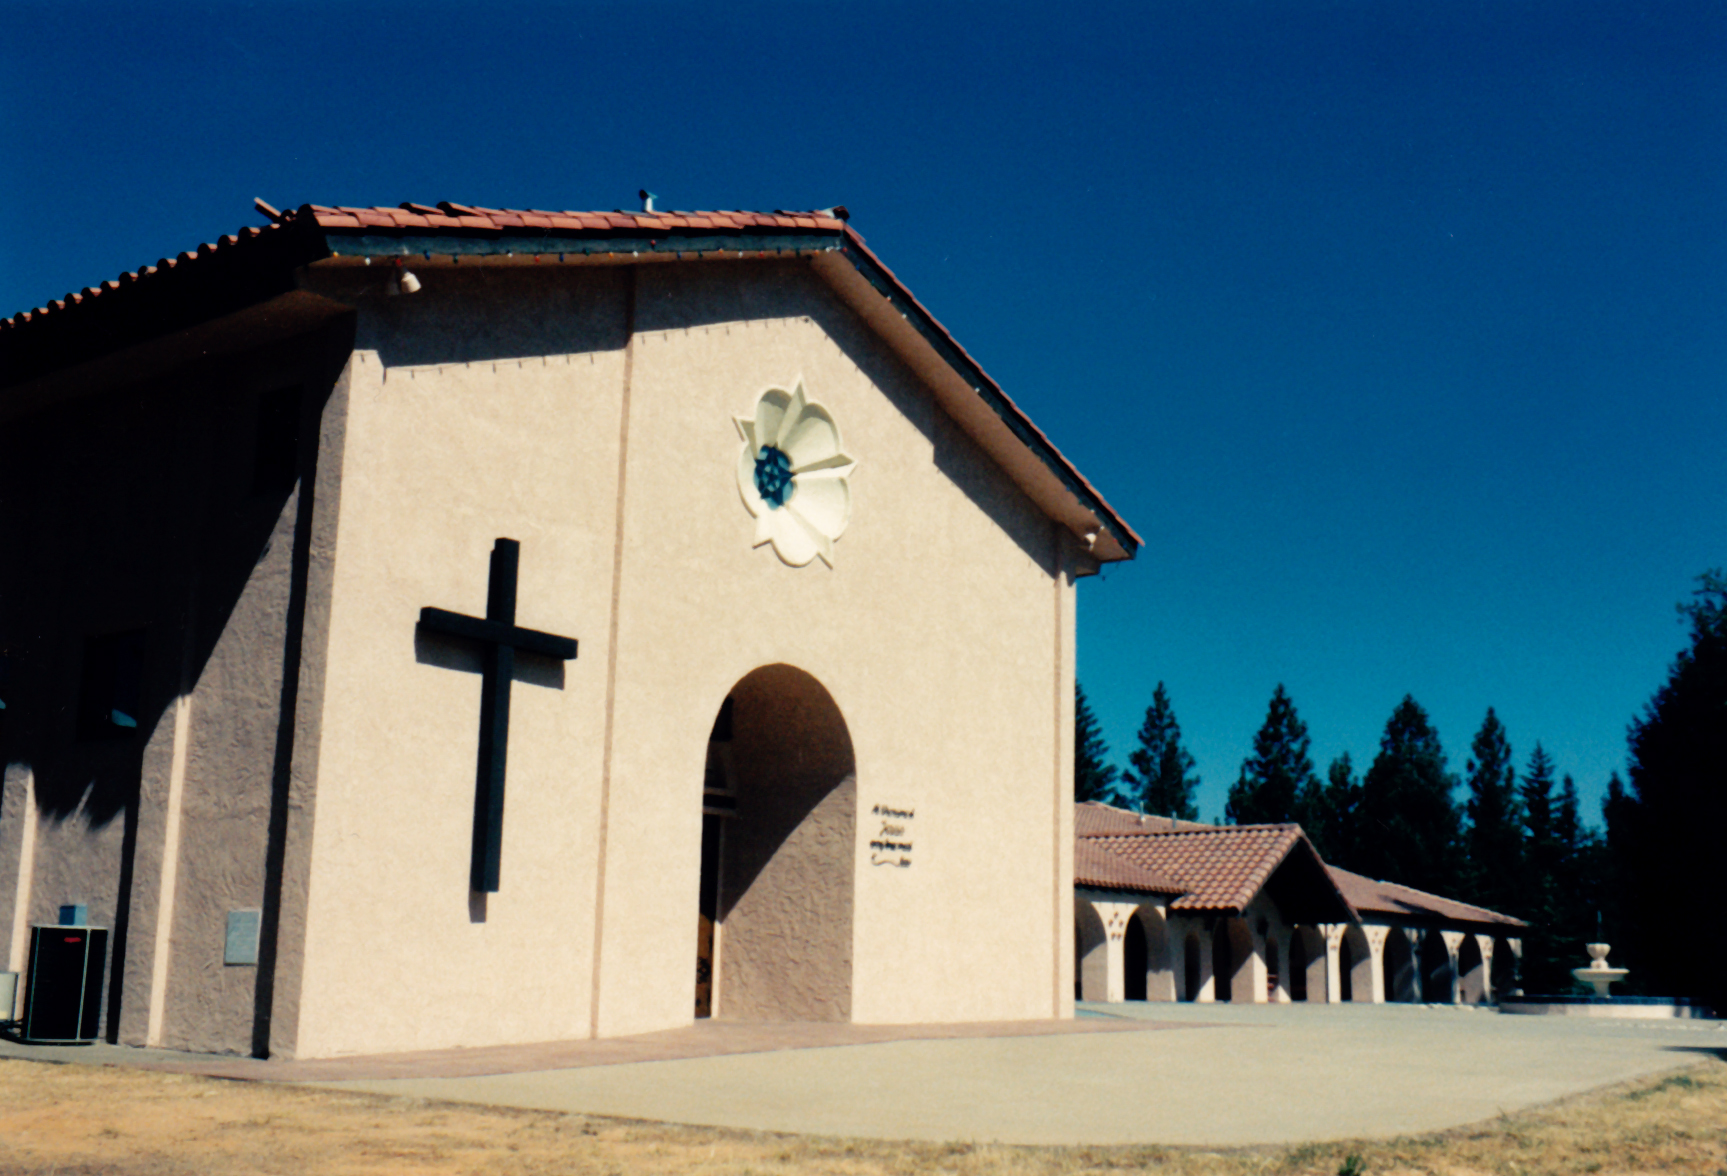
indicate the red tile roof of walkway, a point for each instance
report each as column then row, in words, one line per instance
column 1220, row 869
column 1390, row 898
column 1097, row 867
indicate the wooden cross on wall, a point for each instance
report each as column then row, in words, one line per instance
column 500, row 637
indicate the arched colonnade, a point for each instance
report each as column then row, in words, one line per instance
column 1131, row 947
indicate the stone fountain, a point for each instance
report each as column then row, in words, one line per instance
column 1598, row 975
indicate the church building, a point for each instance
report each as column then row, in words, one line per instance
column 446, row 626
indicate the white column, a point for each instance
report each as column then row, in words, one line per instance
column 1453, row 941
column 1483, row 992
column 1207, row 993
column 1114, row 916
column 1376, row 953
column 19, row 805
column 1251, row 972
column 1333, row 933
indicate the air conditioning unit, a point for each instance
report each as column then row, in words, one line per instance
column 63, row 989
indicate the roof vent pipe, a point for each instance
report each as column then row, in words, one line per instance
column 647, row 200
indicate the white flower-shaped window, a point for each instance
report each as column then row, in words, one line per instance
column 792, row 475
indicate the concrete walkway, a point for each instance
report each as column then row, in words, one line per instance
column 1121, row 1074
column 1220, row 1075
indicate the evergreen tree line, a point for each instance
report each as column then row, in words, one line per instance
column 1514, row 841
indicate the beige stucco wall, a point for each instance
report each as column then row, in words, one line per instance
column 499, row 403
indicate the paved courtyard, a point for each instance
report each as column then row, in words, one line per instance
column 1223, row 1075
column 1122, row 1074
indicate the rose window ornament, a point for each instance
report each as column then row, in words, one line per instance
column 792, row 475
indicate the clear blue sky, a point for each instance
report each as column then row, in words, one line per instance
column 1397, row 328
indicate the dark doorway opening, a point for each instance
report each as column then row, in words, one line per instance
column 1190, row 950
column 1222, row 962
column 1135, row 959
column 1299, row 959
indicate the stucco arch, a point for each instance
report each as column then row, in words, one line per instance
column 1356, row 964
column 1158, row 979
column 1090, row 953
column 1307, row 964
column 1436, row 969
column 1504, row 968
column 1472, row 971
column 1400, row 977
column 787, row 871
column 1237, row 965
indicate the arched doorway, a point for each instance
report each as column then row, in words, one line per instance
column 778, row 853
column 1356, row 965
column 1222, row 962
column 1300, row 956
column 1090, row 953
column 1503, row 969
column 1133, row 960
column 1232, row 960
column 1158, row 972
column 1398, row 967
column 1471, row 972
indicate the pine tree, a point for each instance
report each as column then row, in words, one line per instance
column 1668, row 832
column 1493, row 838
column 1577, row 879
column 1328, row 813
column 1618, row 903
column 1093, row 774
column 1158, row 779
column 1538, row 904
column 1277, row 772
column 1409, row 823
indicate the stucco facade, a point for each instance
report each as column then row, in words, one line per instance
column 306, row 750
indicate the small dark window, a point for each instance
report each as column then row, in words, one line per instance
column 276, row 461
column 110, row 692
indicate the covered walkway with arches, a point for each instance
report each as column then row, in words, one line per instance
column 1168, row 910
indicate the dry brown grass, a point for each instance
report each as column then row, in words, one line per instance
column 86, row 1120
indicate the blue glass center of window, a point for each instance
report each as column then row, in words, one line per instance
column 773, row 476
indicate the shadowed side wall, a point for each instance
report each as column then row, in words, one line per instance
column 787, row 882
column 142, row 509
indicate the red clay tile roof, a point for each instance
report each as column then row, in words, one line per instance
column 511, row 220
column 1220, row 868
column 1093, row 818
column 1389, row 898
column 222, row 246
column 1096, row 867
column 303, row 235
column 413, row 219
